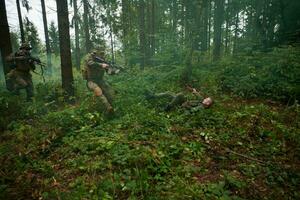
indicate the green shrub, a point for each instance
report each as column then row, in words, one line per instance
column 274, row 75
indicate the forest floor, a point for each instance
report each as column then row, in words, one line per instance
column 237, row 149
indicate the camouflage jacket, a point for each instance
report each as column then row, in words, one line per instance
column 22, row 60
column 93, row 69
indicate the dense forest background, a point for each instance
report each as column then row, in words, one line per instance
column 243, row 53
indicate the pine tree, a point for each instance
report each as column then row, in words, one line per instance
column 32, row 36
column 53, row 38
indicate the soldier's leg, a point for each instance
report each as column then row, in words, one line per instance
column 107, row 91
column 10, row 82
column 99, row 93
column 18, row 84
column 177, row 100
column 165, row 95
column 29, row 90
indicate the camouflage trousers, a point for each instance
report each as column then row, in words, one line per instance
column 173, row 99
column 102, row 90
column 21, row 80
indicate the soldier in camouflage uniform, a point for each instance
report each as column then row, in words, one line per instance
column 20, row 76
column 93, row 72
column 176, row 100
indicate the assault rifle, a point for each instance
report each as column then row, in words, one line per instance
column 40, row 63
column 113, row 68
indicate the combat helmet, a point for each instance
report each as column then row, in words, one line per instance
column 99, row 51
column 25, row 46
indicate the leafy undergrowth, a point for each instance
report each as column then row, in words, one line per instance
column 274, row 75
column 237, row 149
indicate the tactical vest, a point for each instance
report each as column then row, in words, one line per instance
column 92, row 70
column 23, row 62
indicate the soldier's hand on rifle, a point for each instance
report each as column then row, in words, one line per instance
column 104, row 66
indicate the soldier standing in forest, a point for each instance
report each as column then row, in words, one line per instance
column 20, row 77
column 179, row 99
column 94, row 70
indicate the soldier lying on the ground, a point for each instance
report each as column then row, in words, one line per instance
column 180, row 100
column 20, row 77
column 93, row 72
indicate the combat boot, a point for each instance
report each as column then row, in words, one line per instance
column 108, row 108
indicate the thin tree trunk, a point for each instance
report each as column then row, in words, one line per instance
column 174, row 16
column 227, row 38
column 182, row 22
column 125, row 27
column 186, row 23
column 219, row 12
column 153, row 14
column 48, row 50
column 209, row 26
column 142, row 32
column 111, row 37
column 65, row 46
column 236, row 33
column 88, row 45
column 77, row 48
column 5, row 44
column 148, row 33
column 227, row 28
column 204, row 42
column 20, row 21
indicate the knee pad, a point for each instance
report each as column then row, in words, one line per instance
column 98, row 92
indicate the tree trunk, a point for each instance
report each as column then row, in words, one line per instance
column 111, row 36
column 125, row 27
column 209, row 26
column 48, row 50
column 148, row 32
column 65, row 47
column 227, row 27
column 219, row 12
column 236, row 31
column 142, row 32
column 186, row 22
column 77, row 48
column 182, row 22
column 174, row 16
column 88, row 45
column 153, row 14
column 5, row 44
column 20, row 21
column 204, row 42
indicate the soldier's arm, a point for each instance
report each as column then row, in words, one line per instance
column 194, row 91
column 94, row 64
column 12, row 57
column 17, row 58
